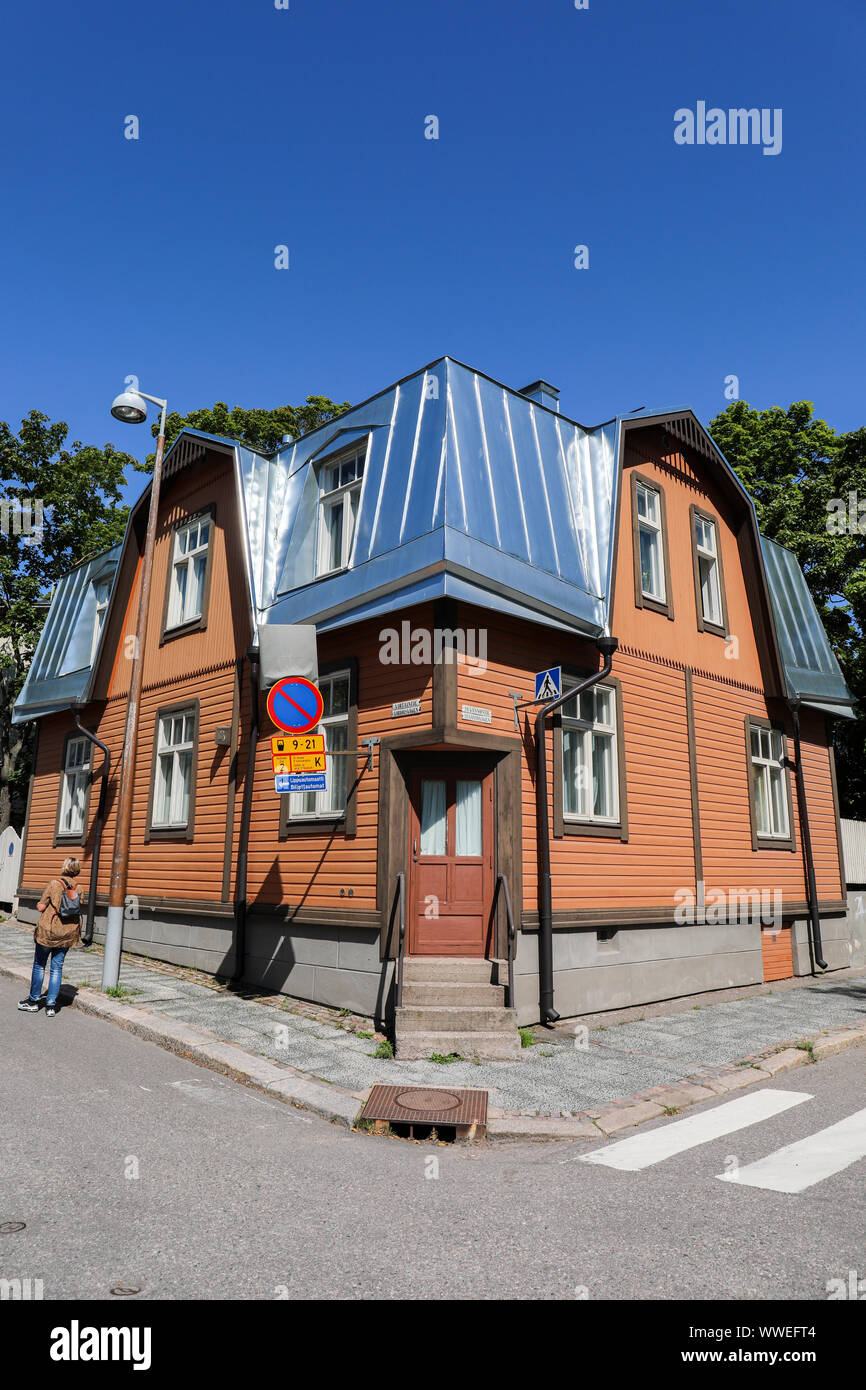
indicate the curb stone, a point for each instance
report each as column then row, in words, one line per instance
column 342, row 1107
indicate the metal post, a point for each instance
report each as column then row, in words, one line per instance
column 120, row 858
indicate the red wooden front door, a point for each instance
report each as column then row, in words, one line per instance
column 450, row 860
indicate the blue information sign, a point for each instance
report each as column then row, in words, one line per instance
column 300, row 782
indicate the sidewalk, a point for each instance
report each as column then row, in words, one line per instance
column 602, row 1080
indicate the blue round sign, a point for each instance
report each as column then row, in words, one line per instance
column 295, row 704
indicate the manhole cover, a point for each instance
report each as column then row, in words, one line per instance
column 427, row 1100
column 9, row 1228
column 426, row 1105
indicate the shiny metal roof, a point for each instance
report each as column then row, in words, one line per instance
column 470, row 489
column 810, row 666
column 60, row 672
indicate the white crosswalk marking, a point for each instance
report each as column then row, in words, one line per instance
column 643, row 1150
column 797, row 1166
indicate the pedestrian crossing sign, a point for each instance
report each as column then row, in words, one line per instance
column 548, row 684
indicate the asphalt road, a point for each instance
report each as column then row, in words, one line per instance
column 132, row 1166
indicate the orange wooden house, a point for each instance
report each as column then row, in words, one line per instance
column 669, row 827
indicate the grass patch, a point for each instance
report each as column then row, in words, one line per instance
column 806, row 1047
column 343, row 1013
column 445, row 1058
column 671, row 1109
column 359, row 1034
column 385, row 1050
column 526, row 1038
column 121, row 992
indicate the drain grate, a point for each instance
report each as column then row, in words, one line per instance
column 426, row 1105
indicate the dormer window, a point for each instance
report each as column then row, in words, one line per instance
column 340, row 484
column 102, row 591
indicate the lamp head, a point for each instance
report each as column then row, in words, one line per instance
column 129, row 407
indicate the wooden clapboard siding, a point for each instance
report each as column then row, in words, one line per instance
column 776, row 954
column 228, row 623
column 310, row 870
column 685, row 482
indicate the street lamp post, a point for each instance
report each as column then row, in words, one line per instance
column 130, row 407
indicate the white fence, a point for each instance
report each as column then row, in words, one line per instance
column 10, row 863
column 854, row 850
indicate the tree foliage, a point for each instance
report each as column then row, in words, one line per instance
column 809, row 488
column 261, row 429
column 77, row 489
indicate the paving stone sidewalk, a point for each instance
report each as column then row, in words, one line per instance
column 557, row 1076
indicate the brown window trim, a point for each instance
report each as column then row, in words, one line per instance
column 640, row 598
column 173, row 832
column 597, row 830
column 80, row 838
column 753, row 721
column 703, row 625
column 347, row 823
column 168, row 634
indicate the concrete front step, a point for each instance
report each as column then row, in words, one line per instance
column 455, row 969
column 487, row 1047
column 447, row 1018
column 452, row 992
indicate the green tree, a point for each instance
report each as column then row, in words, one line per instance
column 809, row 487
column 59, row 505
column 261, row 429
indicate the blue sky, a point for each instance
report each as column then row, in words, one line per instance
column 306, row 127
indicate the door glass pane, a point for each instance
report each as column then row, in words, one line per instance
column 432, row 817
column 468, row 818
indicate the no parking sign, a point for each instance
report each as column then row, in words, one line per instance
column 295, row 704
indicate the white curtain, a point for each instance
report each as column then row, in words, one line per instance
column 432, row 817
column 468, row 818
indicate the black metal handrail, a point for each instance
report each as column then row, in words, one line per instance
column 400, row 903
column 502, row 882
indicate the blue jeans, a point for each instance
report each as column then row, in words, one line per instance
column 40, row 960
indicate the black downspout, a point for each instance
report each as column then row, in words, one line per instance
column 816, row 943
column 246, row 814
column 607, row 646
column 87, row 936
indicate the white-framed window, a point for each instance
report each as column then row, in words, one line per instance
column 188, row 572
column 334, row 724
column 769, row 788
column 650, row 543
column 590, row 767
column 73, row 796
column 340, row 485
column 175, row 747
column 102, row 591
column 709, row 584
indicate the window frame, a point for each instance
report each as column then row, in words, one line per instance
column 641, row 599
column 344, row 822
column 99, row 581
column 199, row 624
column 760, row 841
column 173, row 832
column 704, row 624
column 566, row 825
column 327, row 499
column 73, row 837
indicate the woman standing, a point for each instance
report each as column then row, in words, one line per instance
column 58, row 928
